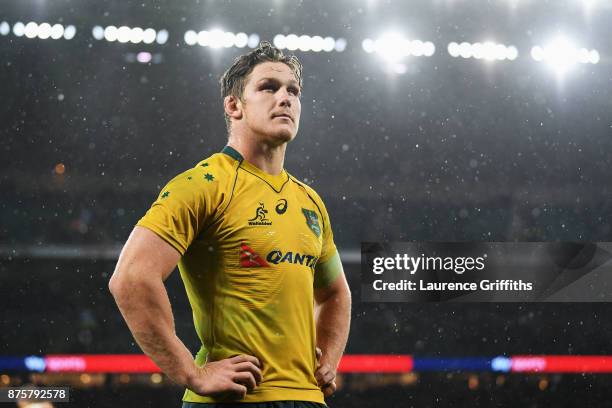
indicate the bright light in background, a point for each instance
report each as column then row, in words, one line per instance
column 110, row 33
column 148, row 36
column 191, row 37
column 69, row 32
column 125, row 34
column 97, row 32
column 218, row 38
column 136, row 35
column 43, row 31
column 393, row 47
column 562, row 55
column 253, row 41
column 241, row 40
column 389, row 46
column 488, row 51
column 162, row 37
column 340, row 45
column 368, row 45
column 31, row 30
column 5, row 28
column 306, row 43
column 18, row 29
column 57, row 31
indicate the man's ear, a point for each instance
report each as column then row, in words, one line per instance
column 232, row 107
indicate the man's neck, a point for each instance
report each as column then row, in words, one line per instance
column 269, row 159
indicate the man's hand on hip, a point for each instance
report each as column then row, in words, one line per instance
column 325, row 376
column 232, row 376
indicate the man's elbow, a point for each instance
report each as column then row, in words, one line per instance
column 114, row 286
column 118, row 285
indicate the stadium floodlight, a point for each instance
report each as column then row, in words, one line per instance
column 303, row 43
column 69, row 32
column 328, row 44
column 478, row 50
column 18, row 29
column 44, row 31
column 97, row 32
column 229, row 39
column 415, row 48
column 136, row 35
column 253, row 41
column 162, row 37
column 241, row 40
column 280, row 41
column 317, row 43
column 561, row 55
column 31, row 30
column 57, row 31
column 368, row 45
column 292, row 42
column 307, row 43
column 390, row 46
column 393, row 47
column 124, row 34
column 148, row 36
column 110, row 33
column 216, row 38
column 583, row 56
column 511, row 53
column 488, row 51
column 429, row 49
column 5, row 28
column 203, row 38
column 191, row 37
column 537, row 53
column 340, row 45
column 465, row 50
column 453, row 49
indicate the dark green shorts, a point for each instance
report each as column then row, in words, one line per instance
column 273, row 404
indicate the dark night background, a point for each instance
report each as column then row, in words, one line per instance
column 453, row 150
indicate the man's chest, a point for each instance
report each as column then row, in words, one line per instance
column 280, row 227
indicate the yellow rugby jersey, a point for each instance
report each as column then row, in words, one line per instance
column 249, row 243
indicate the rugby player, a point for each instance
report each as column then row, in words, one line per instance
column 255, row 250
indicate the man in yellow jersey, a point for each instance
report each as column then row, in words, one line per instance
column 255, row 250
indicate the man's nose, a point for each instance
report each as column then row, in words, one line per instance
column 284, row 97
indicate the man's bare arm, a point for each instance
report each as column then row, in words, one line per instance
column 137, row 285
column 333, row 316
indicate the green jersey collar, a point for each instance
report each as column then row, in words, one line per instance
column 233, row 153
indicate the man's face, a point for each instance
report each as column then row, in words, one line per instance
column 271, row 103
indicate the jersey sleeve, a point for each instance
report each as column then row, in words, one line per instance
column 328, row 248
column 182, row 208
